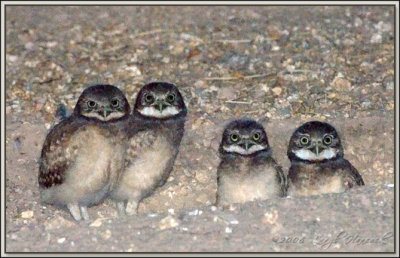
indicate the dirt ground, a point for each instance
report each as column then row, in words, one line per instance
column 279, row 65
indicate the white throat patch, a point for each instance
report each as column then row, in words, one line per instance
column 153, row 112
column 113, row 115
column 309, row 155
column 237, row 149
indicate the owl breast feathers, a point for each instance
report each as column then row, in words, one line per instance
column 79, row 162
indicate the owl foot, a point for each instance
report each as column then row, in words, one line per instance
column 84, row 212
column 131, row 208
column 74, row 210
column 78, row 212
column 121, row 208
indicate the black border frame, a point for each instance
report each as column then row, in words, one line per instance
column 241, row 253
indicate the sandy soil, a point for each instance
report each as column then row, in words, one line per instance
column 281, row 66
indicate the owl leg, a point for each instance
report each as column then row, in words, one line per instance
column 84, row 212
column 121, row 208
column 131, row 207
column 74, row 210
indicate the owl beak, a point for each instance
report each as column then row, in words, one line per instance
column 247, row 144
column 106, row 111
column 317, row 147
column 161, row 105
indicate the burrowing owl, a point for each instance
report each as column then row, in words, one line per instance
column 155, row 131
column 83, row 154
column 317, row 163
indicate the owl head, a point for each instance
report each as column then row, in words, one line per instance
column 159, row 100
column 244, row 137
column 315, row 141
column 103, row 103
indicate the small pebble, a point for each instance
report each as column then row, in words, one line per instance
column 27, row 214
column 270, row 217
column 376, row 39
column 107, row 234
column 168, row 222
column 193, row 213
column 277, row 91
column 341, row 84
column 97, row 223
column 12, row 58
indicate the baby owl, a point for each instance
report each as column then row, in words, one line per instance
column 83, row 154
column 317, row 163
column 247, row 170
column 155, row 131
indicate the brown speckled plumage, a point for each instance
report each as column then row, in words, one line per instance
column 82, row 156
column 324, row 177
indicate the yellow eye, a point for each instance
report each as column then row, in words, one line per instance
column 115, row 102
column 234, row 137
column 91, row 104
column 149, row 98
column 304, row 140
column 171, row 98
column 328, row 140
column 256, row 136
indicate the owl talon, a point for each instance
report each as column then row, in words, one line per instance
column 74, row 210
column 121, row 208
column 131, row 208
column 84, row 212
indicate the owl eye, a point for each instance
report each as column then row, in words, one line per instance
column 256, row 136
column 328, row 139
column 234, row 137
column 304, row 140
column 115, row 103
column 91, row 104
column 171, row 97
column 149, row 98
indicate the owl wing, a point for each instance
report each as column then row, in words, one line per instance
column 140, row 139
column 221, row 166
column 281, row 178
column 351, row 175
column 57, row 155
